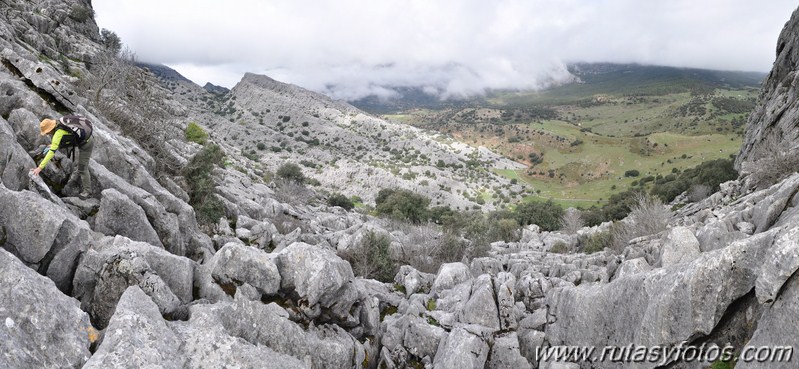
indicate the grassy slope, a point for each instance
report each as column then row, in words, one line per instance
column 657, row 129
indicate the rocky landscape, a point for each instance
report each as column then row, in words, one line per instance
column 129, row 279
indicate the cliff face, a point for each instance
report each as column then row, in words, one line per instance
column 773, row 127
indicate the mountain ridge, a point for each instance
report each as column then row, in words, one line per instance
column 591, row 79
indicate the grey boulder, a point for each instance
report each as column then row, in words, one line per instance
column 39, row 326
column 119, row 215
column 137, row 337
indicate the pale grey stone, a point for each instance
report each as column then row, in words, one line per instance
column 505, row 353
column 630, row 267
column 776, row 329
column 235, row 264
column 481, row 308
column 644, row 305
column 137, row 337
column 449, row 275
column 681, row 246
column 461, row 350
column 781, row 262
column 14, row 160
column 41, row 327
column 422, row 339
column 313, row 273
column 118, row 215
column 112, row 264
column 505, row 286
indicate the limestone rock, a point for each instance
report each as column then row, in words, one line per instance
column 422, row 339
column 236, row 264
column 208, row 344
column 461, row 350
column 412, row 280
column 505, row 353
column 314, row 275
column 43, row 235
column 630, row 267
column 113, row 264
column 777, row 108
column 118, row 215
column 137, row 337
column 644, row 305
column 451, row 274
column 781, row 262
column 41, row 327
column 681, row 246
column 15, row 162
column 777, row 329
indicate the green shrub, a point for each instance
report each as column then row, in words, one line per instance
column 291, row 172
column 81, row 13
column 371, row 258
column 559, row 248
column 337, row 199
column 196, row 134
column 201, row 185
column 632, row 173
column 708, row 174
column 597, row 242
column 546, row 215
column 402, row 204
column 721, row 364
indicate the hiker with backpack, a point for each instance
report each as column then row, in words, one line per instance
column 69, row 132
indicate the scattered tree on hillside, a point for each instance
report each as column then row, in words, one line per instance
column 132, row 98
column 111, row 41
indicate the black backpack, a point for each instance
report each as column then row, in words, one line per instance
column 80, row 131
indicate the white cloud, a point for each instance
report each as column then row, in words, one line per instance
column 349, row 48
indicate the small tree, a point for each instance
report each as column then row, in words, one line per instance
column 597, row 242
column 291, row 172
column 648, row 216
column 81, row 13
column 132, row 98
column 111, row 41
column 544, row 214
column 337, row 199
column 201, row 185
column 402, row 204
column 371, row 258
column 571, row 221
column 196, row 134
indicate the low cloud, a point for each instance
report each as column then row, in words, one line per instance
column 354, row 48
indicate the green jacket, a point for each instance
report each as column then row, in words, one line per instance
column 54, row 144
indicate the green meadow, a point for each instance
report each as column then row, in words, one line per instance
column 582, row 143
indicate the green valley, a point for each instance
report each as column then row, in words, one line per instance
column 583, row 142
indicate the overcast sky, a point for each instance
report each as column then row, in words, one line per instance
column 352, row 48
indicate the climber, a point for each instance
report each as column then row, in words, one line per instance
column 69, row 132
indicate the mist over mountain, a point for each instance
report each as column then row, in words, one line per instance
column 585, row 79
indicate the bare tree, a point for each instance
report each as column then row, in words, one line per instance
column 648, row 216
column 571, row 221
column 698, row 192
column 131, row 97
column 776, row 160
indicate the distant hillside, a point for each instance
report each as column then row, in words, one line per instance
column 163, row 72
column 409, row 98
column 594, row 78
column 635, row 79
